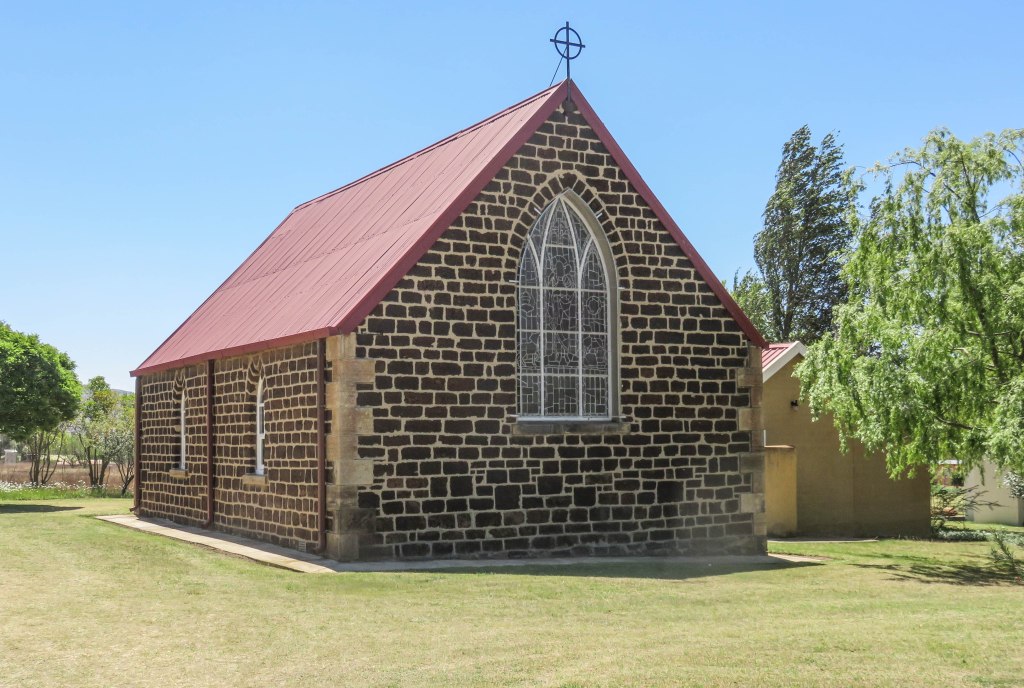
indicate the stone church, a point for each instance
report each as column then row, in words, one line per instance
column 498, row 346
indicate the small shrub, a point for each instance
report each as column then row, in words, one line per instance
column 1014, row 482
column 1003, row 556
column 959, row 535
column 977, row 535
column 951, row 502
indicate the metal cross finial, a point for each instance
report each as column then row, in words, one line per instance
column 568, row 49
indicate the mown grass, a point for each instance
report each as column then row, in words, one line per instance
column 86, row 602
column 971, row 525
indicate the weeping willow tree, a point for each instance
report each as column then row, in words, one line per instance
column 927, row 358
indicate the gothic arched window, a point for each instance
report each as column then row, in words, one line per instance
column 261, row 431
column 564, row 333
column 183, row 438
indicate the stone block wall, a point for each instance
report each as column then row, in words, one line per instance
column 455, row 474
column 424, row 454
column 169, row 492
column 280, row 506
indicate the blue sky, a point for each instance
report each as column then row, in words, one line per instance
column 146, row 148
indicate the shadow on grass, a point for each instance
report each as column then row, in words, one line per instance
column 654, row 570
column 17, row 508
column 962, row 574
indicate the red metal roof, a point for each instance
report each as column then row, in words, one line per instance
column 335, row 257
column 773, row 352
column 776, row 356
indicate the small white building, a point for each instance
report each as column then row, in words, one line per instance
column 1009, row 510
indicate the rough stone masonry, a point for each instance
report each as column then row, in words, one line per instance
column 425, row 455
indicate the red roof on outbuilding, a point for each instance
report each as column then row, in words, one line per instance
column 335, row 257
column 774, row 351
column 776, row 356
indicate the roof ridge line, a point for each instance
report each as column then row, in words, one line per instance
column 446, row 140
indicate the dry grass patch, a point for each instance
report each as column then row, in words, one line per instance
column 64, row 472
column 96, row 604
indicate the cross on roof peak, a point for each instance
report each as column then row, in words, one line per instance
column 569, row 50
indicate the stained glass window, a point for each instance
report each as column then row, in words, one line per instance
column 563, row 320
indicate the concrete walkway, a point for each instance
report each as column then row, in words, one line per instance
column 263, row 552
column 304, row 562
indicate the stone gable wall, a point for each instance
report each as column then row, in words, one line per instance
column 455, row 475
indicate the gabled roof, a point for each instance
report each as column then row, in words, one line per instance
column 335, row 257
column 776, row 356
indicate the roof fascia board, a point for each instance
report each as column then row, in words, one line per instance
column 795, row 349
column 659, row 210
column 233, row 351
column 145, row 369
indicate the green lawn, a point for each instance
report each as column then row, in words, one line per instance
column 84, row 602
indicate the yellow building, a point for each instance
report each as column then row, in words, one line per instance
column 1005, row 508
column 811, row 486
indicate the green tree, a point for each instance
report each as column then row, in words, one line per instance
column 45, row 448
column 805, row 231
column 118, row 442
column 752, row 296
column 927, row 361
column 97, row 419
column 38, row 391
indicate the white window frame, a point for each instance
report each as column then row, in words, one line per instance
column 574, row 204
column 182, row 457
column 261, row 430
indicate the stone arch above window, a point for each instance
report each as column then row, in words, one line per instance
column 565, row 348
column 179, row 397
column 254, row 372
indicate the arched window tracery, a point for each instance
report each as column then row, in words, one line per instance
column 564, row 320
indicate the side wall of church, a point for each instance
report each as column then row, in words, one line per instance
column 168, row 491
column 280, row 506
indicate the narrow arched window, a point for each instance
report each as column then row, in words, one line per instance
column 564, row 315
column 182, row 455
column 261, row 430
